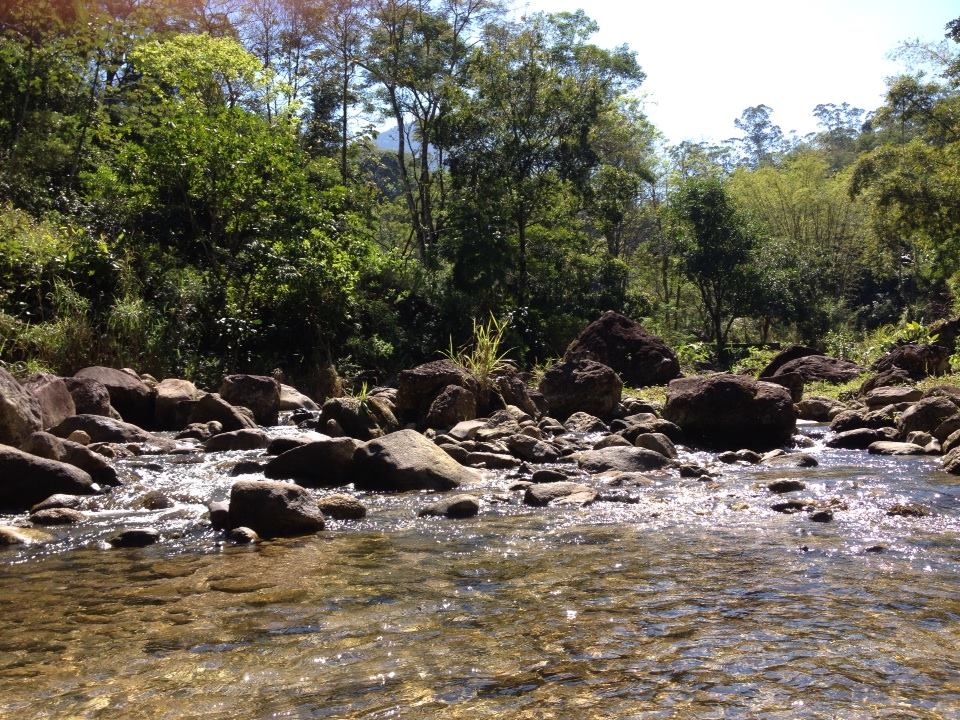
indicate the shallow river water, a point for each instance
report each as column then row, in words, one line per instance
column 693, row 600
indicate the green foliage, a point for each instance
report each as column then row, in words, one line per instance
column 692, row 354
column 482, row 357
column 756, row 360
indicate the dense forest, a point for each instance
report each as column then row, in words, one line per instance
column 189, row 187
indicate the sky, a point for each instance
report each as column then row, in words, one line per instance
column 708, row 61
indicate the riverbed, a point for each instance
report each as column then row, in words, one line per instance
column 682, row 598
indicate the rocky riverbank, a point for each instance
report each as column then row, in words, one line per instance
column 73, row 457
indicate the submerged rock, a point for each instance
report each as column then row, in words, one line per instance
column 135, row 538
column 455, row 506
column 559, row 493
column 622, row 459
column 341, row 507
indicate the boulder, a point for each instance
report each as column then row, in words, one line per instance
column 819, row 409
column 926, row 415
column 293, row 399
column 559, row 493
column 130, row 396
column 260, row 393
column 363, row 419
column 531, row 449
column 20, row 413
column 51, row 447
column 174, row 403
column 56, row 516
column 514, row 391
column 418, row 387
column 135, row 538
column 886, row 447
column 280, row 445
column 817, row 368
column 658, row 442
column 888, row 378
column 59, row 501
column 200, row 431
column 27, row 479
column 341, row 507
column 639, row 357
column 786, row 485
column 891, row 395
column 793, row 352
column 56, row 402
column 406, row 460
column 792, row 381
column 322, row 463
column 951, row 461
column 731, row 411
column 792, row 460
column 213, row 407
column 859, row 439
column 919, row 361
column 584, row 422
column 453, row 405
column 274, row 509
column 491, row 460
column 581, row 386
column 237, row 440
column 622, row 459
column 107, row 430
column 855, row 419
column 22, row 536
column 89, row 396
column 455, row 506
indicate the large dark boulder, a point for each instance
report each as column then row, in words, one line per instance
column 213, row 407
column 919, row 361
column 406, row 460
column 926, row 415
column 20, row 413
column 274, row 509
column 794, row 352
column 174, row 403
column 512, row 389
column 618, row 342
column 26, row 479
column 622, row 459
column 418, row 387
column 454, row 404
column 45, row 445
column 816, row 368
column 888, row 378
column 237, row 440
column 56, row 402
column 363, row 419
column 260, row 393
column 107, row 430
column 324, row 463
column 89, row 396
column 130, row 396
column 581, row 386
column 726, row 411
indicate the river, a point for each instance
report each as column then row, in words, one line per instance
column 690, row 600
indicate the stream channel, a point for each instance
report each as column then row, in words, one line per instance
column 692, row 600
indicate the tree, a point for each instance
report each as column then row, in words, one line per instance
column 717, row 255
column 763, row 139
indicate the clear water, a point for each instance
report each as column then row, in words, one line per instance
column 694, row 600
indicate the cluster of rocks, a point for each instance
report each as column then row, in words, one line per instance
column 572, row 441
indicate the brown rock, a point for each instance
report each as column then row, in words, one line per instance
column 581, row 386
column 56, row 402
